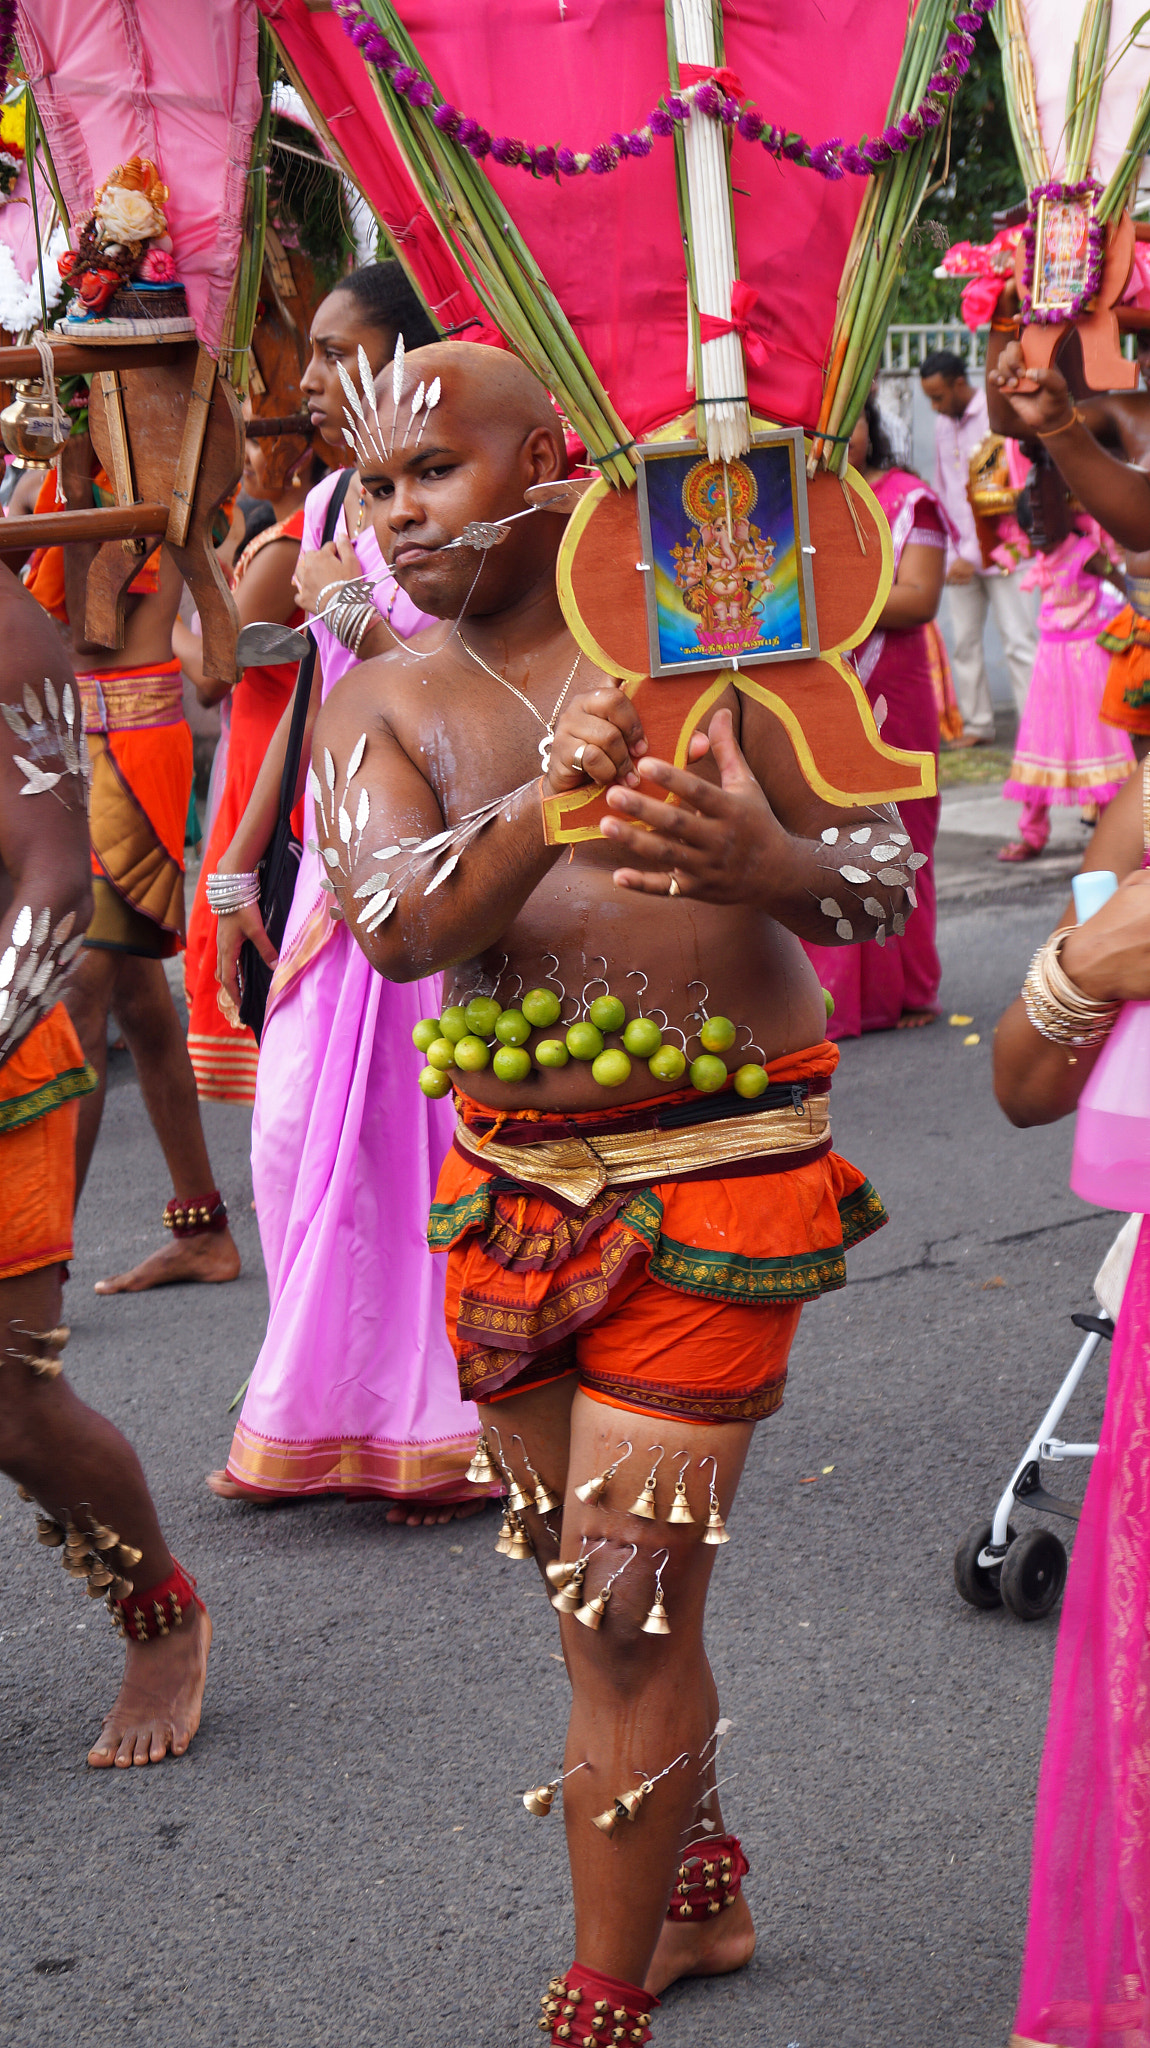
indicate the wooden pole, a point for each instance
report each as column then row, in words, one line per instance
column 102, row 522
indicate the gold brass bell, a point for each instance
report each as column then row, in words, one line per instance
column 680, row 1506
column 482, row 1470
column 518, row 1500
column 591, row 1489
column 540, row 1798
column 645, row 1505
column 544, row 1499
column 520, row 1545
column 632, row 1801
column 49, row 1532
column 716, row 1529
column 608, row 1820
column 592, row 1614
column 129, row 1555
column 120, row 1589
column 569, row 1598
column 561, row 1571
column 656, row 1623
column 503, row 1540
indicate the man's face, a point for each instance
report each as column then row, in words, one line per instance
column 425, row 494
column 950, row 399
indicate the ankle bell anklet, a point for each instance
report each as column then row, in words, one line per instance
column 587, row 2009
column 95, row 1554
column 710, row 1878
column 156, row 1611
column 192, row 1218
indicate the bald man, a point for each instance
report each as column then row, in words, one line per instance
column 627, row 1252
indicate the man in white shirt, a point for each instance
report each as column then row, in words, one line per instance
column 961, row 425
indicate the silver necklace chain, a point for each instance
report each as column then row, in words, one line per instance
column 548, row 724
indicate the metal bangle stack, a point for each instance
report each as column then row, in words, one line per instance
column 229, row 893
column 1057, row 1008
column 351, row 613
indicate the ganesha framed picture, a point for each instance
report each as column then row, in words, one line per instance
column 726, row 554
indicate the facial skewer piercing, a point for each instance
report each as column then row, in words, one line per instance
column 644, row 1506
column 592, row 1489
column 592, row 1614
column 545, row 1500
column 539, row 1798
column 716, row 1529
column 627, row 1804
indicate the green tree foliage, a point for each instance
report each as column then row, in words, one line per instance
column 983, row 178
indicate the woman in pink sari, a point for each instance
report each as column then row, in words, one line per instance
column 890, row 987
column 355, row 1390
column 1086, row 1969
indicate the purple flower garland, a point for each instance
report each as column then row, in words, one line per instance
column 1096, row 242
column 831, row 159
column 7, row 36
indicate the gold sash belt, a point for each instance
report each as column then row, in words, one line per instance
column 578, row 1170
column 115, row 703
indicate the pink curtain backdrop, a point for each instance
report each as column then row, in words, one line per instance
column 610, row 247
column 1052, row 28
column 173, row 80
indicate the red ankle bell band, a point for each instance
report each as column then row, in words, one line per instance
column 710, row 1877
column 192, row 1218
column 158, row 1609
column 586, row 2009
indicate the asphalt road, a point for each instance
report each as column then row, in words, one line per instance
column 342, row 1857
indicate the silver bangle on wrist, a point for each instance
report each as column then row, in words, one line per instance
column 229, row 893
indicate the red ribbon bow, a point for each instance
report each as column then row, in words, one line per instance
column 744, row 299
column 729, row 81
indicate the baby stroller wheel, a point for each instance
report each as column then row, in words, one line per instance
column 978, row 1583
column 1033, row 1574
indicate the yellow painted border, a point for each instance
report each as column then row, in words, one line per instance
column 576, row 624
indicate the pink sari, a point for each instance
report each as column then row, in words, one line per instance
column 872, row 985
column 355, row 1389
column 1086, row 1970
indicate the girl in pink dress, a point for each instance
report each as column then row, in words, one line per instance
column 885, row 988
column 1064, row 754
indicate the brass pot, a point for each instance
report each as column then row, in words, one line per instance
column 28, row 430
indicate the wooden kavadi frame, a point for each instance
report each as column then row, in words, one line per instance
column 820, row 701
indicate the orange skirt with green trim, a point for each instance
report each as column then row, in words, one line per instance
column 39, row 1090
column 1126, row 698
column 537, row 1288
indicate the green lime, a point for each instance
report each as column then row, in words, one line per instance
column 751, row 1081
column 608, row 1013
column 471, row 1054
column 440, row 1053
column 512, row 1028
column 511, row 1063
column 551, row 1052
column 541, row 1007
column 584, row 1042
column 707, row 1073
column 668, row 1063
column 426, row 1032
column 611, row 1068
column 829, row 1001
column 717, row 1034
column 642, row 1037
column 481, row 1013
column 453, row 1024
column 434, row 1083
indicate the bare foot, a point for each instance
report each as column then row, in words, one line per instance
column 703, row 1948
column 157, row 1708
column 914, row 1020
column 417, row 1517
column 226, row 1488
column 211, row 1257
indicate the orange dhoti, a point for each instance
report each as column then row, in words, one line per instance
column 39, row 1090
column 661, row 1251
column 141, row 749
column 1126, row 698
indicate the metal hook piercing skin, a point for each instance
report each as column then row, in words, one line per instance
column 596, row 978
column 701, row 1010
column 551, row 1499
column 637, row 974
column 752, row 1045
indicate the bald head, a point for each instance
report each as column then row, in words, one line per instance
column 491, row 435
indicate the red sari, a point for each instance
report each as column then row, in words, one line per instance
column 223, row 1055
column 873, row 985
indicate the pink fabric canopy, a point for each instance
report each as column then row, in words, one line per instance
column 610, row 247
column 173, row 80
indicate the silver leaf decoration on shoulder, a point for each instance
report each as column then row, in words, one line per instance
column 356, row 755
column 844, row 928
column 860, row 837
column 854, row 875
column 831, row 836
column 22, row 929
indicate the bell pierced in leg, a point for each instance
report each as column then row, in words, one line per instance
column 49, row 1532
column 544, row 1499
column 592, row 1489
column 716, row 1529
column 592, row 1614
column 520, row 1545
column 482, row 1471
column 518, row 1500
column 644, row 1507
column 503, row 1540
column 608, row 1820
column 680, row 1506
column 539, row 1799
column 561, row 1571
column 656, row 1623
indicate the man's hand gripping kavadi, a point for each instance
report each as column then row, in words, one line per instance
column 629, row 1238
column 95, row 1508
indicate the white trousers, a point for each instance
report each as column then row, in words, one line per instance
column 1014, row 614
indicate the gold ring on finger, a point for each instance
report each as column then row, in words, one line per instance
column 674, row 889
